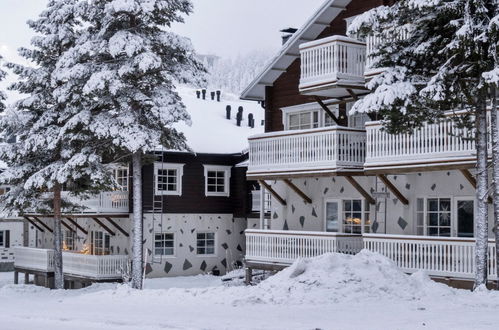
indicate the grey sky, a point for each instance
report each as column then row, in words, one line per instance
column 223, row 27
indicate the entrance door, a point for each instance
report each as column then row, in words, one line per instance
column 465, row 214
column 332, row 216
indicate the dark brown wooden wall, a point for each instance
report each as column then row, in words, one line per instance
column 193, row 199
column 284, row 92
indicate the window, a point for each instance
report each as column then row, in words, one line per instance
column 205, row 243
column 4, row 190
column 164, row 244
column 420, row 218
column 303, row 120
column 352, row 216
column 217, row 180
column 69, row 240
column 439, row 217
column 121, row 176
column 5, row 238
column 168, row 178
column 101, row 243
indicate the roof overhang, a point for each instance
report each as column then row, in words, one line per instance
column 291, row 49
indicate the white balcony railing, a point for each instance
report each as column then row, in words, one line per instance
column 105, row 202
column 332, row 60
column 438, row 256
column 284, row 247
column 81, row 265
column 305, row 150
column 442, row 141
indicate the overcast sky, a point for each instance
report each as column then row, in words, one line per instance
column 222, row 27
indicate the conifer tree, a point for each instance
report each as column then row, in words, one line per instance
column 52, row 148
column 434, row 55
column 122, row 71
column 3, row 97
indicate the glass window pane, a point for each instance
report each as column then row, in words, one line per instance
column 432, row 204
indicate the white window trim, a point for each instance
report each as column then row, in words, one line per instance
column 214, row 254
column 123, row 168
column 227, row 176
column 340, row 213
column 165, row 256
column 168, row 166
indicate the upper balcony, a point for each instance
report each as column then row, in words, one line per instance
column 306, row 152
column 332, row 67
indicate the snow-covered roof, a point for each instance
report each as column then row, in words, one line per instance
column 210, row 131
column 291, row 49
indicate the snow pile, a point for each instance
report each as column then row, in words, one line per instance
column 210, row 131
column 335, row 278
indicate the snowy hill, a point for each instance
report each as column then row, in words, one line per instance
column 210, row 131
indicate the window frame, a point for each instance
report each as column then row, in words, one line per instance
column 214, row 254
column 2, row 240
column 179, row 168
column 227, row 175
column 365, row 213
column 103, row 239
column 174, row 240
column 118, row 177
column 73, row 239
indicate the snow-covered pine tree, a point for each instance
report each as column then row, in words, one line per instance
column 123, row 71
column 52, row 149
column 3, row 97
column 434, row 54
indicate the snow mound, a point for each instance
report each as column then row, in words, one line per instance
column 334, row 278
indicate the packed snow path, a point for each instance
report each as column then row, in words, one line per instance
column 330, row 292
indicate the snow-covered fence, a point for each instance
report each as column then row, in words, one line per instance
column 34, row 259
column 438, row 256
column 284, row 247
column 332, row 59
column 307, row 149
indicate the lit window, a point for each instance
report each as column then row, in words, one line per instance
column 352, row 216
column 69, row 240
column 217, row 180
column 205, row 243
column 101, row 243
column 164, row 244
column 168, row 178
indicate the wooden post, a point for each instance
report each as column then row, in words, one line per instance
column 16, row 277
column 248, row 276
column 26, row 278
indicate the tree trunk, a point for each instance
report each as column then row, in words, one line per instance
column 58, row 274
column 481, row 218
column 137, row 248
column 495, row 162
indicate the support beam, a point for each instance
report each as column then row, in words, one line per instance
column 393, row 189
column 298, row 191
column 74, row 223
column 326, row 109
column 361, row 190
column 471, row 179
column 106, row 228
column 292, row 54
column 111, row 221
column 43, row 224
column 34, row 224
column 281, row 200
column 67, row 226
column 352, row 94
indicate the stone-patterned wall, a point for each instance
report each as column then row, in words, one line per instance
column 399, row 219
column 16, row 235
column 229, row 243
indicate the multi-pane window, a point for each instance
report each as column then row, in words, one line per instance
column 2, row 239
column 217, row 180
column 168, row 178
column 352, row 216
column 69, row 240
column 164, row 244
column 420, row 217
column 121, row 175
column 439, row 217
column 205, row 243
column 101, row 243
column 303, row 120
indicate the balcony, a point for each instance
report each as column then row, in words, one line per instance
column 332, row 67
column 306, row 152
column 92, row 267
column 442, row 144
column 437, row 256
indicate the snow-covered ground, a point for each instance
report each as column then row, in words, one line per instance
column 330, row 292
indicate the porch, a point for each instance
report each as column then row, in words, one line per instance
column 75, row 265
column 306, row 152
column 437, row 256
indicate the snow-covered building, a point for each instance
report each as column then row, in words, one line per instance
column 339, row 182
column 196, row 206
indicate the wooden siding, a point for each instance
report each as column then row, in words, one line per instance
column 193, row 199
column 285, row 91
